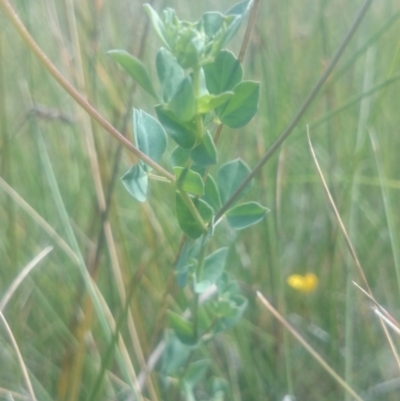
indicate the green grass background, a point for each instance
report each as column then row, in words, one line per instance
column 43, row 133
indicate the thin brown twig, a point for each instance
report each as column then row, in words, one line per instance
column 303, row 108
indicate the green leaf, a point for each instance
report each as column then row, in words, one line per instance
column 239, row 11
column 183, row 329
column 150, row 136
column 229, row 178
column 196, row 372
column 186, row 220
column 223, row 74
column 240, row 8
column 212, row 22
column 179, row 157
column 205, row 153
column 242, row 106
column 245, row 215
column 135, row 182
column 135, row 68
column 184, row 134
column 158, row 25
column 186, row 260
column 169, row 72
column 182, row 103
column 238, row 305
column 213, row 267
column 189, row 181
column 207, row 103
column 211, row 193
column 175, row 354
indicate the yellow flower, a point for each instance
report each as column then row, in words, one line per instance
column 307, row 283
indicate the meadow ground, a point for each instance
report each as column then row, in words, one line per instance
column 59, row 172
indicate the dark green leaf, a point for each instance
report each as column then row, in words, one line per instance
column 245, row 215
column 211, row 194
column 135, row 182
column 184, row 134
column 183, row 103
column 183, row 329
column 189, row 181
column 179, row 157
column 213, row 267
column 150, row 136
column 223, row 74
column 135, row 68
column 242, row 106
column 229, row 178
column 186, row 220
column 205, row 153
column 170, row 73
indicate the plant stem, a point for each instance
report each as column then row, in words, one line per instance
column 52, row 69
column 198, row 117
column 195, row 213
column 288, row 130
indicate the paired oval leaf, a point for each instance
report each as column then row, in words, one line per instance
column 184, row 134
column 183, row 329
column 211, row 194
column 135, row 68
column 170, row 73
column 245, row 215
column 135, row 181
column 158, row 24
column 183, row 103
column 150, row 136
column 223, row 74
column 242, row 106
column 205, row 153
column 213, row 267
column 239, row 11
column 187, row 221
column 229, row 178
column 189, row 181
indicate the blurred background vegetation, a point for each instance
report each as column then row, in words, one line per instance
column 44, row 133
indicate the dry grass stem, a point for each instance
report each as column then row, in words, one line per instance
column 20, row 359
column 311, row 351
